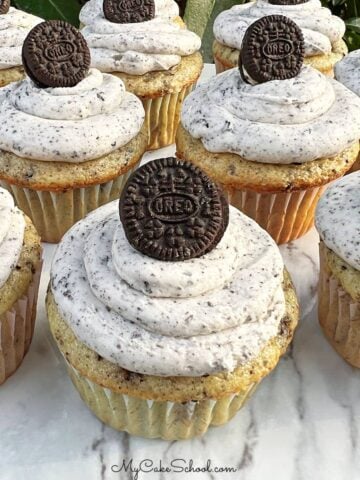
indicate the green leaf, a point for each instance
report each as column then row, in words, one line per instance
column 353, row 23
column 51, row 9
column 208, row 36
column 197, row 14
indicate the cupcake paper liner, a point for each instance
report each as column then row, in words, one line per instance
column 339, row 315
column 284, row 215
column 17, row 328
column 163, row 117
column 155, row 419
column 54, row 213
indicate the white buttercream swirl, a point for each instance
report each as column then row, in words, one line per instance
column 14, row 27
column 12, row 227
column 282, row 121
column 338, row 218
column 320, row 28
column 75, row 124
column 347, row 71
column 137, row 48
column 213, row 328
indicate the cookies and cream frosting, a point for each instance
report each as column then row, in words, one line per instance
column 12, row 228
column 297, row 120
column 320, row 28
column 191, row 318
column 338, row 218
column 347, row 71
column 137, row 48
column 14, row 27
column 75, row 124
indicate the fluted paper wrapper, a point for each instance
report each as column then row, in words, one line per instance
column 162, row 117
column 339, row 315
column 54, row 213
column 155, row 419
column 284, row 215
column 17, row 328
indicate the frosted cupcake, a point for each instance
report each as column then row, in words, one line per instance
column 338, row 224
column 14, row 27
column 167, row 348
column 65, row 150
column 146, row 45
column 322, row 31
column 347, row 71
column 273, row 146
column 20, row 266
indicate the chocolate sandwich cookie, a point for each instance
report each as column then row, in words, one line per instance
column 272, row 49
column 4, row 6
column 55, row 54
column 172, row 211
column 129, row 11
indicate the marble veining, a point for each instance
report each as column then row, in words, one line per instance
column 303, row 422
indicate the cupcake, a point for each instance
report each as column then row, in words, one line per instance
column 170, row 318
column 14, row 27
column 273, row 134
column 347, row 71
column 322, row 31
column 148, row 47
column 20, row 267
column 69, row 136
column 338, row 224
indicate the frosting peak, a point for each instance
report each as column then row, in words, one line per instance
column 14, row 27
column 280, row 121
column 137, row 48
column 98, row 112
column 12, row 227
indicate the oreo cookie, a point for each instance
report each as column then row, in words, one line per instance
column 272, row 49
column 4, row 6
column 129, row 11
column 287, row 2
column 172, row 211
column 55, row 54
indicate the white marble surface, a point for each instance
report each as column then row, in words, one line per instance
column 303, row 423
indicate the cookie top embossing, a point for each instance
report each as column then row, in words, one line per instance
column 172, row 211
column 55, row 54
column 4, row 6
column 272, row 49
column 129, row 11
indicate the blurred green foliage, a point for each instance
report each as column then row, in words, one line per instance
column 349, row 11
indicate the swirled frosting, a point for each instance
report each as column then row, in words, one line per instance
column 75, row 124
column 282, row 121
column 14, row 27
column 338, row 218
column 347, row 71
column 12, row 227
column 159, row 318
column 137, row 48
column 320, row 29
